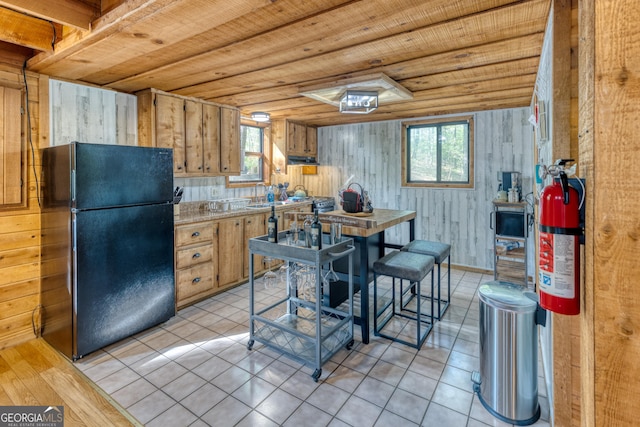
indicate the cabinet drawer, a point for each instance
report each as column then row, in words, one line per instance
column 192, row 256
column 194, row 280
column 197, row 233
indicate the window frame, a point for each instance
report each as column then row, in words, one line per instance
column 407, row 125
column 266, row 156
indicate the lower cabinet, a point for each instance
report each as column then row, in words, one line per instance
column 254, row 226
column 196, row 265
column 213, row 255
column 230, row 242
column 232, row 236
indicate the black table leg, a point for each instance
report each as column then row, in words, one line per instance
column 412, row 229
column 364, row 289
column 375, row 242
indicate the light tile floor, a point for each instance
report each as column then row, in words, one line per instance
column 196, row 370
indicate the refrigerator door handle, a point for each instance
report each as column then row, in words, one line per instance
column 73, row 187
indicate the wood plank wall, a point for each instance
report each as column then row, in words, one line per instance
column 371, row 152
column 562, row 336
column 616, row 215
column 89, row 114
column 20, row 232
column 586, row 98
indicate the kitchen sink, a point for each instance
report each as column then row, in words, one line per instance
column 265, row 205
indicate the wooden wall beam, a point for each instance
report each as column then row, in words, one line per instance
column 24, row 30
column 73, row 13
column 586, row 82
column 563, row 326
column 616, row 221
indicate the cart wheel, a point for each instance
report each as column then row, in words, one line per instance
column 349, row 345
column 250, row 344
column 316, row 374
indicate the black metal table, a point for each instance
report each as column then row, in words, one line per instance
column 370, row 246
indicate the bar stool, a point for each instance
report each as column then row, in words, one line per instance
column 441, row 252
column 412, row 267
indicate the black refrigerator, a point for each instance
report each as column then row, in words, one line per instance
column 107, row 244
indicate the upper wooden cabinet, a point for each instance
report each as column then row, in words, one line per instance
column 295, row 139
column 205, row 136
column 12, row 160
column 230, row 131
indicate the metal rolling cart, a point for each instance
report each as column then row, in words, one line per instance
column 510, row 225
column 296, row 324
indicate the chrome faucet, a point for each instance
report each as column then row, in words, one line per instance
column 262, row 198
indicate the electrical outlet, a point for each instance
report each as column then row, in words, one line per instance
column 214, row 192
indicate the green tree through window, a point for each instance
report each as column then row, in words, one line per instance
column 438, row 153
column 252, row 157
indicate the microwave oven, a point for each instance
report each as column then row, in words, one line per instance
column 510, row 223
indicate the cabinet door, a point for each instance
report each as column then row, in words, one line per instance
column 281, row 222
column 170, row 128
column 229, row 141
column 296, row 139
column 193, row 137
column 254, row 226
column 279, row 145
column 189, row 257
column 11, row 161
column 215, row 259
column 193, row 234
column 230, row 245
column 211, row 139
column 194, row 283
column 311, row 143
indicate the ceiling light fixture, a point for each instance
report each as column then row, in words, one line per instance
column 335, row 92
column 359, row 101
column 260, row 116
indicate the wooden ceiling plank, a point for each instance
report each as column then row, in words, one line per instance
column 290, row 93
column 526, row 66
column 353, row 24
column 180, row 23
column 491, row 53
column 73, row 13
column 484, row 90
column 501, row 51
column 360, row 58
column 226, row 36
column 370, row 55
column 450, row 86
column 486, row 54
column 448, row 53
column 26, row 31
column 426, row 101
column 136, row 24
column 505, row 99
column 464, row 107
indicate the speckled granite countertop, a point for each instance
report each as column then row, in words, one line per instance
column 192, row 212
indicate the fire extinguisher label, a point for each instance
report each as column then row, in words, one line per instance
column 557, row 258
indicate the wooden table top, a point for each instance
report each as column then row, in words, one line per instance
column 365, row 225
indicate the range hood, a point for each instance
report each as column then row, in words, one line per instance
column 302, row 160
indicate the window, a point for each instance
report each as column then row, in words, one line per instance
column 438, row 153
column 254, row 147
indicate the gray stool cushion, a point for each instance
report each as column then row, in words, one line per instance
column 404, row 265
column 440, row 251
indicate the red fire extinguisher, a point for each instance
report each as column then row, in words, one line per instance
column 560, row 230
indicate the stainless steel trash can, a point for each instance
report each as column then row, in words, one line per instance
column 507, row 384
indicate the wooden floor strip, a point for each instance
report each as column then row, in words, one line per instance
column 33, row 373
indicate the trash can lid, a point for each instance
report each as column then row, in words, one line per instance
column 508, row 296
